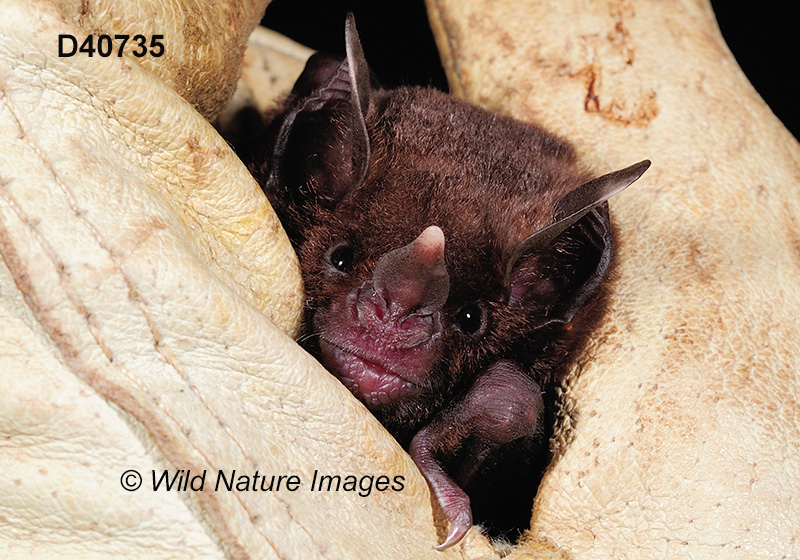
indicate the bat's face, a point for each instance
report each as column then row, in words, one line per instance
column 383, row 325
column 406, row 275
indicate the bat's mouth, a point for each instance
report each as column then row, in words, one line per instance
column 374, row 384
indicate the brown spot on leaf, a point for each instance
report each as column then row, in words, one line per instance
column 621, row 106
column 792, row 233
column 614, row 91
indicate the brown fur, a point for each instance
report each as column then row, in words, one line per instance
column 488, row 182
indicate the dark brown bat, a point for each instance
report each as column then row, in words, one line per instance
column 450, row 258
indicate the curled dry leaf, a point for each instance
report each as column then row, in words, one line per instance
column 146, row 293
column 681, row 428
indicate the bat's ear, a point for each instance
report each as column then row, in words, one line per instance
column 323, row 149
column 562, row 280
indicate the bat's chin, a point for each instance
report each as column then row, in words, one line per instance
column 374, row 384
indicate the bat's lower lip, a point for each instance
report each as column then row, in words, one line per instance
column 372, row 383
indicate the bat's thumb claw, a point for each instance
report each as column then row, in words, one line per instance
column 457, row 532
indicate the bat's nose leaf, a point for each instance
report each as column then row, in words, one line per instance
column 413, row 279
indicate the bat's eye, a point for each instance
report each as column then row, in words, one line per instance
column 341, row 258
column 471, row 319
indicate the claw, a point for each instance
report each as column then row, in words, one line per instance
column 458, row 528
column 452, row 499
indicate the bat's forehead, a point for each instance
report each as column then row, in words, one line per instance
column 432, row 131
column 485, row 179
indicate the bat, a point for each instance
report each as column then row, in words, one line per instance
column 451, row 260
